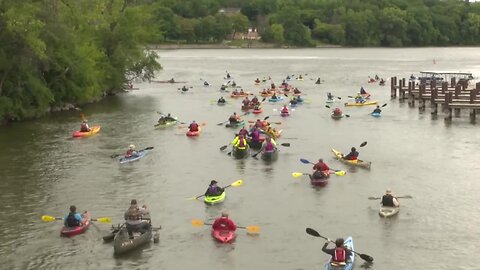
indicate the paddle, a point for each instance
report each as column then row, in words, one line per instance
column 234, row 184
column 399, row 197
column 283, row 144
column 347, row 115
column 101, row 219
column 224, row 122
column 304, row 161
column 250, row 229
column 312, row 232
column 148, row 148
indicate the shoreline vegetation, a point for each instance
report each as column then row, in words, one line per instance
column 57, row 55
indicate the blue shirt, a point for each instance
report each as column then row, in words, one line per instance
column 77, row 216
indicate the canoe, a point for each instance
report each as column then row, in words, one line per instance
column 240, row 153
column 337, row 116
column 318, row 182
column 376, row 114
column 234, row 125
column 223, row 236
column 386, row 211
column 259, row 111
column 167, row 124
column 275, row 99
column 361, row 104
column 140, row 154
column 72, row 231
column 123, row 244
column 269, row 155
column 358, row 162
column 350, row 261
column 93, row 130
column 211, row 200
column 194, row 133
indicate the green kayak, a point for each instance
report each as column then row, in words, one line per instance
column 166, row 124
column 211, row 200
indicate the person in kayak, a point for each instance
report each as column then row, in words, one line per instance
column 243, row 132
column 246, row 102
column 221, row 100
column 376, row 77
column 234, row 84
column 234, row 118
column 285, row 109
column 359, row 98
column 300, row 77
column 257, row 80
column 382, row 82
column 329, row 96
column 272, row 86
column 167, row 118
column 205, row 83
column 274, row 96
column 184, row 88
column 269, row 145
column 288, row 78
column 353, row 155
column 239, row 142
column 213, row 189
column 223, row 87
column 296, row 91
column 293, row 101
column 84, row 126
column 299, row 99
column 131, row 151
column 193, row 127
column 254, row 101
column 73, row 219
column 318, row 81
column 389, row 200
column 339, row 254
column 134, row 218
column 272, row 132
column 235, row 92
column 337, row 112
column 228, row 75
column 264, row 79
column 259, row 124
column 255, row 134
column 242, row 92
column 172, row 80
column 321, row 169
column 224, row 223
column 284, row 83
column 377, row 110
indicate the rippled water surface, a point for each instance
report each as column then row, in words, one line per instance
column 43, row 170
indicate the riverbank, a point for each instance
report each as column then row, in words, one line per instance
column 232, row 44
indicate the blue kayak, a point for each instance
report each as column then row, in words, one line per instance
column 140, row 154
column 376, row 114
column 275, row 99
column 345, row 266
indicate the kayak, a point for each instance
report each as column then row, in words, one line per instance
column 344, row 266
column 330, row 101
column 269, row 155
column 93, row 130
column 72, row 231
column 358, row 162
column 386, row 211
column 224, row 236
column 248, row 107
column 275, row 99
column 167, row 124
column 211, row 200
column 194, row 133
column 122, row 243
column 221, row 103
column 319, row 182
column 140, row 154
column 239, row 95
column 362, row 104
column 240, row 153
column 255, row 144
column 376, row 114
column 284, row 114
column 337, row 116
column 259, row 111
column 235, row 124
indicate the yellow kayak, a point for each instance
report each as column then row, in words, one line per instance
column 358, row 162
column 93, row 130
column 361, row 104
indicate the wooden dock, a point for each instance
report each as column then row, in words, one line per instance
column 452, row 96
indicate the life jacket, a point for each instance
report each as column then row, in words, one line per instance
column 284, row 110
column 352, row 156
column 387, row 200
column 213, row 190
column 256, row 135
column 84, row 127
column 71, row 220
column 339, row 255
column 129, row 152
column 269, row 146
column 193, row 127
column 254, row 100
column 134, row 213
column 337, row 111
column 241, row 143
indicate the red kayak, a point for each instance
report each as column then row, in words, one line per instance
column 224, row 236
column 194, row 133
column 72, row 231
column 259, row 111
column 319, row 182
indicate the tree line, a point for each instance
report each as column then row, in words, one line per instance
column 66, row 51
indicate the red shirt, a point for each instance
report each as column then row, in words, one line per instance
column 224, row 223
column 321, row 166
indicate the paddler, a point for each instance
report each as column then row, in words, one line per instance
column 213, row 189
column 284, row 109
column 254, row 101
column 337, row 112
column 234, row 118
column 224, row 223
column 242, row 92
column 168, row 118
column 239, row 142
column 389, row 200
column 259, row 124
column 274, row 96
column 269, row 145
column 84, row 126
column 296, row 91
column 329, row 96
column 353, row 155
column 243, row 132
column 293, row 101
column 221, row 100
column 184, row 88
column 359, row 98
column 134, row 218
column 193, row 127
column 131, row 151
column 246, row 102
column 272, row 86
column 73, row 219
column 235, row 92
column 339, row 254
column 318, row 81
column 377, row 110
column 205, row 83
column 172, row 80
column 257, row 80
column 255, row 134
column 321, row 169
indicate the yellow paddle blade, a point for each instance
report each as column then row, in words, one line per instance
column 48, row 218
column 340, row 173
column 237, row 183
column 104, row 220
column 253, row 229
column 297, row 174
column 197, row 223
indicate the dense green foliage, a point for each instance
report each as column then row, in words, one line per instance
column 54, row 52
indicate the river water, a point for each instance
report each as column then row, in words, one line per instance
column 43, row 170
